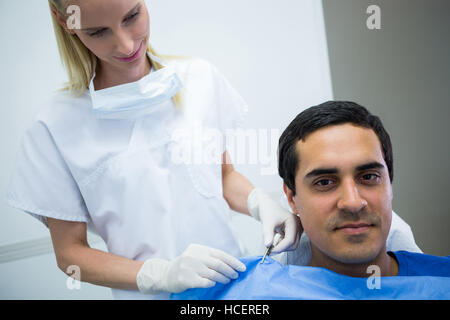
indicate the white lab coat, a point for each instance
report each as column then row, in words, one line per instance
column 118, row 175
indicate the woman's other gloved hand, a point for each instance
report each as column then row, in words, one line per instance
column 197, row 267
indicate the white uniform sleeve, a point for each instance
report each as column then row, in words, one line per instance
column 42, row 184
column 232, row 107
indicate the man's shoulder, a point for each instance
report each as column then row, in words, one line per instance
column 421, row 264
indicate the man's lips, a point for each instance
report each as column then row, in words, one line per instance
column 355, row 225
column 354, row 228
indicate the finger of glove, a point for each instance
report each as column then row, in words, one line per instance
column 204, row 283
column 226, row 264
column 184, row 274
column 268, row 234
column 213, row 275
column 194, row 282
column 290, row 239
column 205, row 254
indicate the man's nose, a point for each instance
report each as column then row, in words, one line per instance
column 350, row 200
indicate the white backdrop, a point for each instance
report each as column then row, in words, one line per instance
column 273, row 52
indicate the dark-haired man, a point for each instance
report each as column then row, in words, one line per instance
column 337, row 166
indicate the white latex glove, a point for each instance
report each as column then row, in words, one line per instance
column 197, row 267
column 274, row 219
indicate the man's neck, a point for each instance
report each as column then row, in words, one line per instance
column 387, row 265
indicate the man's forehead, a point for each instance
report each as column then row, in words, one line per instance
column 346, row 146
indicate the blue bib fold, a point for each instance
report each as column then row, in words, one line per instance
column 272, row 281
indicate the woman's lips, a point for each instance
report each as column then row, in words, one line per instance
column 133, row 57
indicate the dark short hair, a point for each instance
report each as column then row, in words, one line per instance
column 317, row 117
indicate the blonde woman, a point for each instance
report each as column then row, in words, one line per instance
column 104, row 154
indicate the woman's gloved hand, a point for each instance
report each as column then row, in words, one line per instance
column 274, row 219
column 197, row 267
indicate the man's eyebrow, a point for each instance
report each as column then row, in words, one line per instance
column 320, row 171
column 126, row 15
column 362, row 167
column 370, row 165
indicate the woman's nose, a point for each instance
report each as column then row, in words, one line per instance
column 350, row 199
column 124, row 44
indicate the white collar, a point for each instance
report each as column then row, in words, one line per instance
column 149, row 76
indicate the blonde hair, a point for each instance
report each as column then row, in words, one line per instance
column 79, row 62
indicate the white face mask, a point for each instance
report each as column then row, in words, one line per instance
column 136, row 99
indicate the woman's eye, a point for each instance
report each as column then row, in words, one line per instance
column 100, row 32
column 132, row 17
column 97, row 33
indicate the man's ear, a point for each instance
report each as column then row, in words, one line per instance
column 61, row 20
column 290, row 198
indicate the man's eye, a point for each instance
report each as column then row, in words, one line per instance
column 370, row 178
column 324, row 184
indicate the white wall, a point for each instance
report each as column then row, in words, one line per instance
column 273, row 52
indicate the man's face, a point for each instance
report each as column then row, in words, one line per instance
column 343, row 193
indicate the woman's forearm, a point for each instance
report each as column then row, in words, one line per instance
column 101, row 268
column 236, row 189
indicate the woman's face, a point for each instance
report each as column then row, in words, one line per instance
column 116, row 31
